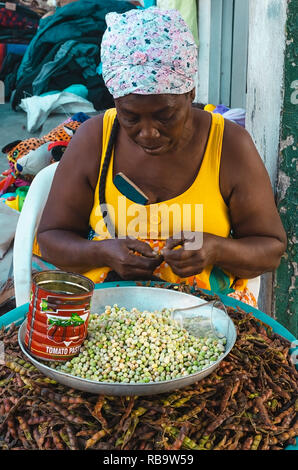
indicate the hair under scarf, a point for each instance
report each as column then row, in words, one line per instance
column 149, row 51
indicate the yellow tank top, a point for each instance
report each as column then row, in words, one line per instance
column 203, row 197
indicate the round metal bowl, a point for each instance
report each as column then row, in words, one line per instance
column 143, row 298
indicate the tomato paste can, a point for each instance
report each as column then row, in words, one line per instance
column 58, row 315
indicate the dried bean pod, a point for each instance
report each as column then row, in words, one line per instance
column 288, row 419
column 180, row 438
column 263, row 412
column 38, row 420
column 95, row 438
column 247, row 443
column 218, row 421
column 25, row 428
column 221, row 443
column 256, row 442
column 226, row 396
column 57, row 441
column 11, row 427
column 72, row 439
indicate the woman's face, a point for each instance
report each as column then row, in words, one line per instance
column 157, row 123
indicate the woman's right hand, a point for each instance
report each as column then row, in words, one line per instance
column 130, row 258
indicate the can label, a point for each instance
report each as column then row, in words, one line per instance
column 57, row 322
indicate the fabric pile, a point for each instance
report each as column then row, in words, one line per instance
column 39, row 6
column 18, row 25
column 66, row 51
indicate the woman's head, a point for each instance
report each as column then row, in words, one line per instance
column 157, row 123
column 148, row 52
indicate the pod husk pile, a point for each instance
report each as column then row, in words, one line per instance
column 249, row 402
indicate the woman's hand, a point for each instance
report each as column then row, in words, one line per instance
column 185, row 261
column 130, row 258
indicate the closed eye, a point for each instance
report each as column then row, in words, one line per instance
column 131, row 120
column 165, row 118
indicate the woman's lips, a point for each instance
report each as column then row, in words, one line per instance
column 152, row 150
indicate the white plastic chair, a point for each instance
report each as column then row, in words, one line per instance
column 254, row 285
column 29, row 218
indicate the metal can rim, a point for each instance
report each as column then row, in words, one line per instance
column 87, row 285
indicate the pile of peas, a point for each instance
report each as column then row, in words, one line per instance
column 140, row 347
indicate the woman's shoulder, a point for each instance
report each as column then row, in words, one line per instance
column 90, row 133
column 92, row 127
column 236, row 140
column 238, row 147
column 235, row 135
column 84, row 150
column 240, row 158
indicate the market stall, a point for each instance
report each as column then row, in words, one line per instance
column 247, row 403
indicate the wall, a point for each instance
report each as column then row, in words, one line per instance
column 286, row 277
column 264, row 71
column 204, row 19
column 223, row 31
column 265, row 91
column 271, row 119
column 265, row 78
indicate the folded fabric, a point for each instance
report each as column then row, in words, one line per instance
column 82, row 24
column 8, row 223
column 76, row 89
column 84, row 55
column 221, row 109
column 38, row 108
column 236, row 115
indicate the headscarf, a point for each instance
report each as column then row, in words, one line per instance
column 149, row 51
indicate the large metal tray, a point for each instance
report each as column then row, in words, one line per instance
column 143, row 298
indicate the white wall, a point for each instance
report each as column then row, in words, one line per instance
column 204, row 23
column 265, row 89
column 265, row 78
column 264, row 72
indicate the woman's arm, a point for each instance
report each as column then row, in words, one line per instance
column 62, row 232
column 259, row 239
column 248, row 257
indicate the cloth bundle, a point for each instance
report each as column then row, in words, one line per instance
column 66, row 50
column 148, row 51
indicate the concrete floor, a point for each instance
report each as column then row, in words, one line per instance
column 13, row 126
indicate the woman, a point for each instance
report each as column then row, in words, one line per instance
column 175, row 154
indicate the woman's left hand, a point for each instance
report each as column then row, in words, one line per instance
column 186, row 261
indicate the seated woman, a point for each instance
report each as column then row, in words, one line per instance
column 180, row 157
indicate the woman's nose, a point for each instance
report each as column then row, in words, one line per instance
column 149, row 131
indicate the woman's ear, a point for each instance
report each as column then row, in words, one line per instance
column 192, row 94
